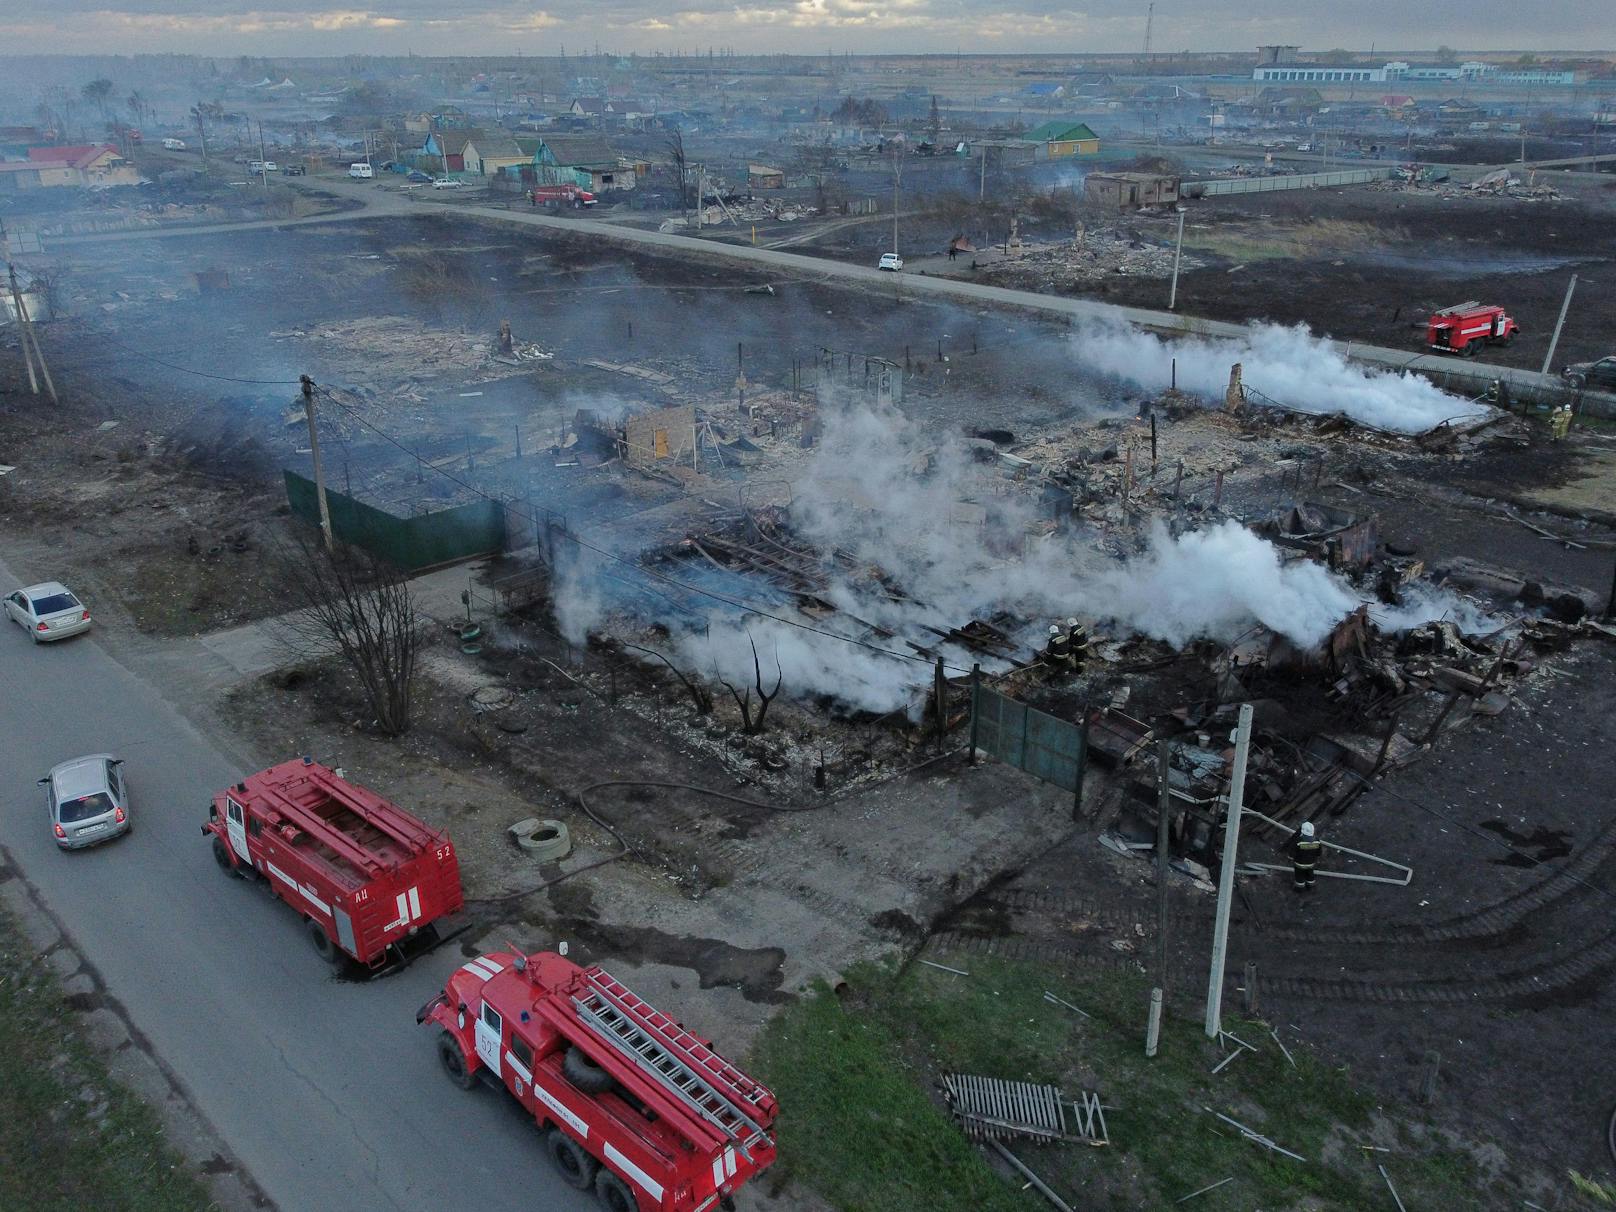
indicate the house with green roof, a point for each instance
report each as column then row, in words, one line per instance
column 1062, row 138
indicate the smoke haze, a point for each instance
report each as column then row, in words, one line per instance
column 953, row 541
column 1290, row 365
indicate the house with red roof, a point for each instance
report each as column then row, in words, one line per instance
column 90, row 165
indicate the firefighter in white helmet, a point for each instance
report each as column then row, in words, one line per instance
column 1304, row 850
column 1058, row 651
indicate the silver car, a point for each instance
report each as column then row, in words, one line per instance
column 88, row 801
column 48, row 611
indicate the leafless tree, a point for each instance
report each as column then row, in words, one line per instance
column 700, row 696
column 751, row 724
column 349, row 604
column 676, row 153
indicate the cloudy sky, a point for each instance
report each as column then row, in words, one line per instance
column 428, row 27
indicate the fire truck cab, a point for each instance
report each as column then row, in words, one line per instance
column 370, row 880
column 632, row 1104
column 1465, row 327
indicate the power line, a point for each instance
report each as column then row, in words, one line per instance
column 738, row 603
column 203, row 374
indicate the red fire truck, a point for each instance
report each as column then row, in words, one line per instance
column 371, row 881
column 1465, row 327
column 630, row 1102
column 560, row 195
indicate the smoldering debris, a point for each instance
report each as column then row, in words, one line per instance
column 898, row 540
column 1291, row 366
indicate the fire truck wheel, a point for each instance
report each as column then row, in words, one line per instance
column 222, row 857
column 323, row 945
column 454, row 1062
column 577, row 1168
column 614, row 1194
column 585, row 1073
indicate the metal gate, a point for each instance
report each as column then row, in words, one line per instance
column 1048, row 748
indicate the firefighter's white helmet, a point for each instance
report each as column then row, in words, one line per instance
column 1053, row 630
column 1307, row 828
column 1071, row 622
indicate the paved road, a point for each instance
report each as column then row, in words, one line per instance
column 327, row 1091
column 1463, row 375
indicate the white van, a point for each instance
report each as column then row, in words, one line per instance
column 361, row 172
column 174, row 144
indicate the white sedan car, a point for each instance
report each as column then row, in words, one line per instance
column 48, row 611
column 446, row 183
column 890, row 261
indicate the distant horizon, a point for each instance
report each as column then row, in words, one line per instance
column 722, row 54
column 309, row 29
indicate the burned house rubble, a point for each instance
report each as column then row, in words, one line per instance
column 1137, row 576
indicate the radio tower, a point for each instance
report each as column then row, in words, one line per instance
column 1150, row 20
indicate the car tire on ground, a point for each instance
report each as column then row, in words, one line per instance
column 222, row 857
column 1576, row 382
column 585, row 1073
column 453, row 1061
column 323, row 944
column 614, row 1194
column 577, row 1168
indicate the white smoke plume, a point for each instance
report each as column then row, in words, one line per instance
column 1424, row 604
column 1289, row 365
column 1215, row 584
column 951, row 541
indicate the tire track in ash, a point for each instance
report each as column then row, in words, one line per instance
column 1521, row 932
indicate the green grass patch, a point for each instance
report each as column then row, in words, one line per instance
column 71, row 1137
column 861, row 1121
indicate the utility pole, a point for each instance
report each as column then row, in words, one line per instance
column 1178, row 252
column 1231, row 843
column 26, row 333
column 262, row 158
column 897, row 171
column 314, row 450
column 982, row 182
column 202, row 133
column 1565, row 306
column 22, row 337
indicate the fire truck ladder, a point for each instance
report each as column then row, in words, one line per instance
column 606, row 1008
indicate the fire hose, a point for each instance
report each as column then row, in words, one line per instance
column 624, row 846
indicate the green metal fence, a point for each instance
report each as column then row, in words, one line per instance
column 414, row 543
column 1048, row 748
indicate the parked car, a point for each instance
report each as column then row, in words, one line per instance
column 87, row 800
column 296, row 170
column 417, row 176
column 1600, row 375
column 174, row 144
column 890, row 261
column 445, row 183
column 360, row 171
column 48, row 611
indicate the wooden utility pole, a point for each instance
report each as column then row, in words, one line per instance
column 22, row 337
column 25, row 330
column 314, row 451
column 1231, row 844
